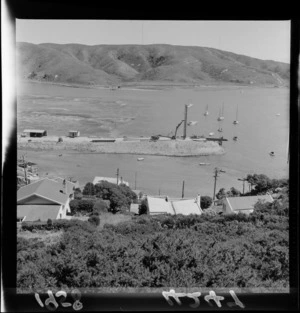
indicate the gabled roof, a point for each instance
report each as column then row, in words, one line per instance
column 45, row 188
column 186, row 207
column 37, row 212
column 246, row 203
column 134, row 208
column 69, row 185
column 34, row 131
column 159, row 206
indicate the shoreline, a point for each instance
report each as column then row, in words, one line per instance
column 171, row 148
column 155, row 85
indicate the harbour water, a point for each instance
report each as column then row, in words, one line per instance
column 124, row 112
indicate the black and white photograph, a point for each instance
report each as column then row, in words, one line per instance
column 152, row 157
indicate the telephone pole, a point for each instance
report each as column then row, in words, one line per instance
column 243, row 180
column 135, row 180
column 182, row 196
column 117, row 176
column 216, row 176
column 185, row 118
column 25, row 172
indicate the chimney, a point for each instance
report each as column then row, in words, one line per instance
column 64, row 186
column 198, row 201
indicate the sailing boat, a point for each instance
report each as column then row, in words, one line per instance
column 206, row 112
column 221, row 115
column 236, row 118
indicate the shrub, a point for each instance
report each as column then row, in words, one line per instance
column 100, row 206
column 82, row 206
column 205, row 202
column 143, row 208
column 94, row 219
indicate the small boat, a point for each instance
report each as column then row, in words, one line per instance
column 221, row 115
column 235, row 138
column 192, row 123
column 211, row 134
column 272, row 153
column 140, row 159
column 202, row 163
column 236, row 117
column 206, row 112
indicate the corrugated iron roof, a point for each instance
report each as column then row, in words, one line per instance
column 34, row 131
column 246, row 203
column 37, row 212
column 134, row 208
column 69, row 185
column 159, row 206
column 186, row 207
column 45, row 188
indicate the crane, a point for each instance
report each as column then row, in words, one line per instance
column 174, row 137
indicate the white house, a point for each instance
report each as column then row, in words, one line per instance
column 164, row 205
column 42, row 200
column 243, row 204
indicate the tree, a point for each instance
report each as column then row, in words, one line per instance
column 233, row 192
column 77, row 194
column 205, row 202
column 143, row 208
column 221, row 194
column 89, row 189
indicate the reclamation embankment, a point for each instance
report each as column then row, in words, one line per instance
column 176, row 148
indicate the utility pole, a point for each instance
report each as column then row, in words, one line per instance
column 25, row 172
column 216, row 176
column 135, row 180
column 185, row 118
column 243, row 180
column 182, row 190
column 117, row 176
column 159, row 191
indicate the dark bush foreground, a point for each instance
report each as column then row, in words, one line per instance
column 181, row 251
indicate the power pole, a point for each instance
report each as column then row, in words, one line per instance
column 185, row 121
column 135, row 180
column 243, row 180
column 25, row 172
column 182, row 190
column 216, row 176
column 117, row 176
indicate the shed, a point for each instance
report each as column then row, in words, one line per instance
column 243, row 204
column 74, row 133
column 35, row 132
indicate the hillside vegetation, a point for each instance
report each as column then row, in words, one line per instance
column 121, row 64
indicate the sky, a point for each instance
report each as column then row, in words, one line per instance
column 267, row 40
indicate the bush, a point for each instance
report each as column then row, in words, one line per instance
column 205, row 202
column 94, row 219
column 100, row 206
column 81, row 206
column 143, row 208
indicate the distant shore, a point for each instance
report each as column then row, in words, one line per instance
column 149, row 85
column 176, row 148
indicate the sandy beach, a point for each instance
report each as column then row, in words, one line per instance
column 176, row 148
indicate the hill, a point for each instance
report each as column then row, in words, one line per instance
column 117, row 64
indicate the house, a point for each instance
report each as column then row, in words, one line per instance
column 70, row 186
column 187, row 206
column 111, row 180
column 34, row 133
column 134, row 208
column 74, row 133
column 164, row 205
column 243, row 204
column 159, row 205
column 42, row 200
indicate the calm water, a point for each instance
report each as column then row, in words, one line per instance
column 149, row 112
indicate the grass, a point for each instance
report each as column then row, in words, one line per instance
column 48, row 237
column 113, row 219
